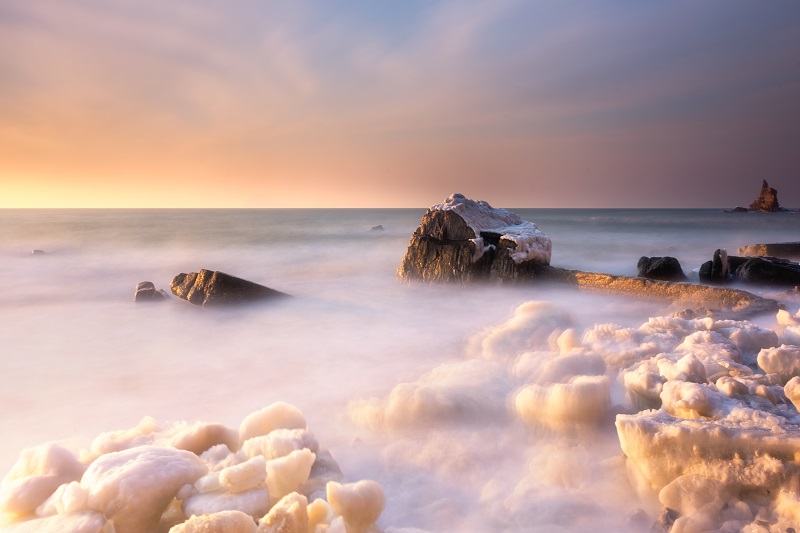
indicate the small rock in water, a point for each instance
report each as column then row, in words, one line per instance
column 379, row 227
column 214, row 288
column 665, row 521
column 660, row 268
column 146, row 292
column 38, row 252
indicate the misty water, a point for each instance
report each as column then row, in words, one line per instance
column 79, row 357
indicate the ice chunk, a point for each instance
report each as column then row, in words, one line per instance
column 279, row 415
column 359, row 504
column 196, row 438
column 287, row 474
column 319, row 512
column 236, row 478
column 783, row 360
column 254, row 502
column 38, row 472
column 289, row 515
column 792, row 391
column 583, row 400
column 67, row 498
column 134, row 487
column 221, row 522
column 78, row 522
column 279, row 443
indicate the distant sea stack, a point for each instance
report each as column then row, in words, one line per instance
column 463, row 240
column 767, row 201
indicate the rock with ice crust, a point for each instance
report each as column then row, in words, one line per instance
column 278, row 415
column 221, row 522
column 134, row 487
column 38, row 472
column 77, row 522
column 289, row 515
column 213, row 288
column 463, row 240
column 359, row 504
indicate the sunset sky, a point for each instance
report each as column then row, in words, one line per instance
column 267, row 103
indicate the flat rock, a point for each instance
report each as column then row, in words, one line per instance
column 789, row 250
column 211, row 288
column 464, row 240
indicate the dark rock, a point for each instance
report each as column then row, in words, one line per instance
column 146, row 292
column 665, row 521
column 662, row 268
column 379, row 227
column 790, row 250
column 451, row 245
column 737, row 209
column 212, row 288
column 638, row 520
column 716, row 270
column 38, row 252
column 764, row 271
column 767, row 200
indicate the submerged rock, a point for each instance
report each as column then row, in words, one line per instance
column 379, row 227
column 146, row 292
column 463, row 240
column 767, row 200
column 661, row 268
column 38, row 252
column 214, row 288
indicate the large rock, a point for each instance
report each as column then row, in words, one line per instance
column 769, row 272
column 661, row 268
column 462, row 240
column 214, row 288
column 767, row 200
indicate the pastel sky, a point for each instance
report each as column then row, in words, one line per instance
column 366, row 103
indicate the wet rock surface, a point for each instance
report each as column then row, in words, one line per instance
column 210, row 288
column 660, row 268
column 763, row 270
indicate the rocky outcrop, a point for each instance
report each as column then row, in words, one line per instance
column 379, row 227
column 463, row 240
column 660, row 268
column 146, row 292
column 213, row 288
column 788, row 250
column 762, row 270
column 767, row 200
column 719, row 301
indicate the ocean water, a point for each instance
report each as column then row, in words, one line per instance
column 79, row 357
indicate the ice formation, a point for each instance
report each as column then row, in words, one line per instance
column 531, row 243
column 268, row 477
column 706, row 415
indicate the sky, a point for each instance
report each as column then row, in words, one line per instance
column 365, row 103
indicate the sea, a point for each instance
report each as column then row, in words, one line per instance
column 78, row 357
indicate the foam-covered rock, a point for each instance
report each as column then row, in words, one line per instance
column 221, row 522
column 279, row 415
column 134, row 487
column 462, row 240
column 582, row 400
column 287, row 474
column 359, row 504
column 289, row 515
column 38, row 472
column 783, row 360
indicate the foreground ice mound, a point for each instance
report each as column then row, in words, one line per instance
column 190, row 478
column 705, row 410
column 462, row 239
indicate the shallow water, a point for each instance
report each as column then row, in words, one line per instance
column 79, row 358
